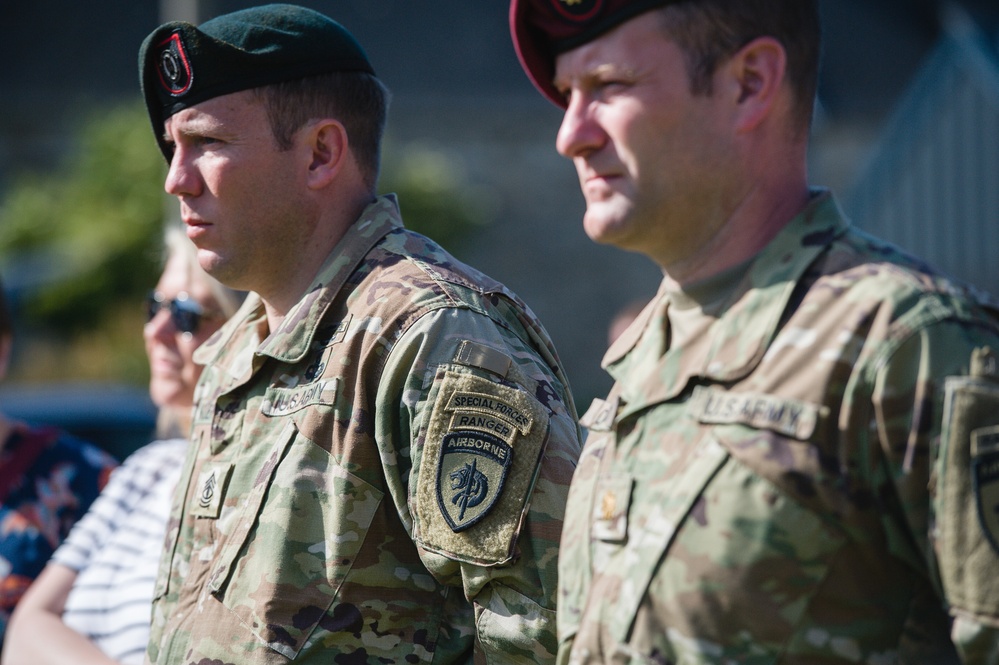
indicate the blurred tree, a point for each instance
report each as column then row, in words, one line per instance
column 86, row 237
column 434, row 196
column 90, row 230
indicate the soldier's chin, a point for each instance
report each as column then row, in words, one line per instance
column 605, row 221
column 208, row 260
column 217, row 266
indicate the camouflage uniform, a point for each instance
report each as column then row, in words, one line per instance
column 380, row 480
column 797, row 484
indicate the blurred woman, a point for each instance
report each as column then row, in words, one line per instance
column 92, row 602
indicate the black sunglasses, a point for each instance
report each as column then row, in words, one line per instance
column 185, row 313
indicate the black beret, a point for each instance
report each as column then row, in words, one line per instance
column 542, row 29
column 181, row 65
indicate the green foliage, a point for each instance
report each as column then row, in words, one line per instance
column 93, row 225
column 434, row 198
column 90, row 234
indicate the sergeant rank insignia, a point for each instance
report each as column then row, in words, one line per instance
column 207, row 499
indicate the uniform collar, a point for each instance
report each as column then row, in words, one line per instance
column 739, row 338
column 291, row 340
column 250, row 319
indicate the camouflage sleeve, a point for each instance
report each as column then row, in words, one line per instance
column 490, row 440
column 936, row 418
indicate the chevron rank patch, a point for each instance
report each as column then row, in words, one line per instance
column 207, row 500
column 483, row 444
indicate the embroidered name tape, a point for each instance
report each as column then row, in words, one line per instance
column 789, row 417
column 282, row 401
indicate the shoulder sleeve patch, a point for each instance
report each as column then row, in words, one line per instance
column 481, row 457
column 967, row 496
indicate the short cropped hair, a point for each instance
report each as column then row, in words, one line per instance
column 710, row 31
column 357, row 99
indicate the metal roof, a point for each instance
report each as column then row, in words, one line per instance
column 932, row 186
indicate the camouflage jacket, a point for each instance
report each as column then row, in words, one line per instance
column 812, row 480
column 380, row 480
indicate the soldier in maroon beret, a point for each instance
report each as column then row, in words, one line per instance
column 799, row 459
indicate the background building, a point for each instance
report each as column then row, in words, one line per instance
column 460, row 95
column 931, row 184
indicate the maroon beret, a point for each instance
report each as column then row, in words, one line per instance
column 542, row 29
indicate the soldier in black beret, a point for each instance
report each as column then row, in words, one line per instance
column 383, row 437
column 798, row 461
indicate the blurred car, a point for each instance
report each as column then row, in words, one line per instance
column 118, row 418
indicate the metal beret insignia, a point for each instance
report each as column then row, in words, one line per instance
column 173, row 65
column 541, row 29
column 483, row 446
column 578, row 10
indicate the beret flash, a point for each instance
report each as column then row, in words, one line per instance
column 181, row 65
column 542, row 29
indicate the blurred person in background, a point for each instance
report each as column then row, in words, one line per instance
column 799, row 460
column 92, row 603
column 48, row 479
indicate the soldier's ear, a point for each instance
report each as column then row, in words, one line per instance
column 754, row 80
column 326, row 142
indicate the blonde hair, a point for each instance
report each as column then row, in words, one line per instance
column 175, row 422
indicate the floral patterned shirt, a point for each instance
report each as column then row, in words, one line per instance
column 48, row 479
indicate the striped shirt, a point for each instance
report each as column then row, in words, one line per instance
column 115, row 549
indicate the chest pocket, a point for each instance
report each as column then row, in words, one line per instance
column 753, row 546
column 301, row 528
column 650, row 535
